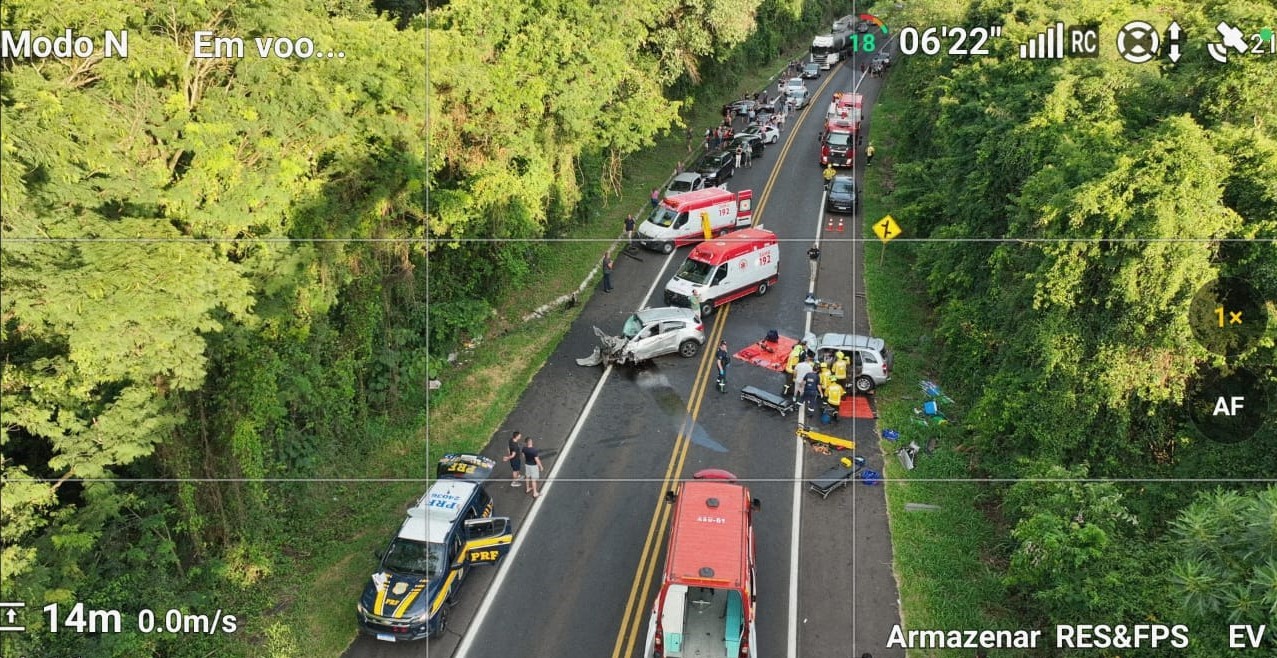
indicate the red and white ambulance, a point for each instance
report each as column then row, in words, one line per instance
column 682, row 219
column 705, row 606
column 724, row 270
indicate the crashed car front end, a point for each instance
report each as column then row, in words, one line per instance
column 611, row 350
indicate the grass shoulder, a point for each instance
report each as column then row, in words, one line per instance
column 944, row 558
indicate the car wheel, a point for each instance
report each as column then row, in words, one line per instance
column 442, row 624
column 762, row 288
column 688, row 348
column 707, row 309
column 667, row 247
column 864, row 383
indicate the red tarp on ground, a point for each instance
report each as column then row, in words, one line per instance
column 856, row 406
column 768, row 355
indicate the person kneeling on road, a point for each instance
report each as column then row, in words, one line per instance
column 834, row 393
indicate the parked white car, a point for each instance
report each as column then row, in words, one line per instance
column 869, row 356
column 688, row 181
column 769, row 134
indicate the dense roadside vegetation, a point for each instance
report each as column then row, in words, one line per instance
column 1113, row 193
column 215, row 276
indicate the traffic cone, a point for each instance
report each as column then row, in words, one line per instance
column 829, row 224
column 840, row 225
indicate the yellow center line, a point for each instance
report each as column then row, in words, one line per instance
column 784, row 151
column 631, row 621
column 703, row 382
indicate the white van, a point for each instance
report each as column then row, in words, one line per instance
column 681, row 219
column 725, row 269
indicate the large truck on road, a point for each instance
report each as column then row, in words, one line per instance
column 705, row 605
column 842, row 131
column 829, row 49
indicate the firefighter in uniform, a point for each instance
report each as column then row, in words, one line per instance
column 796, row 356
column 840, row 367
column 834, row 393
column 825, row 376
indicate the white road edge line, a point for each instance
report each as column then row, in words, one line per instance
column 796, row 511
column 547, row 483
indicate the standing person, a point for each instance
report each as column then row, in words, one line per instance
column 749, row 155
column 869, row 154
column 813, row 258
column 829, row 173
column 607, row 271
column 721, row 359
column 629, row 229
column 811, row 393
column 531, row 468
column 514, row 455
column 796, row 356
column 801, row 371
column 656, row 197
column 738, row 156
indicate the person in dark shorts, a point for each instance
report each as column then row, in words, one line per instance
column 531, row 468
column 514, row 455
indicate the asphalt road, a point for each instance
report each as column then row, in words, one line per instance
column 575, row 580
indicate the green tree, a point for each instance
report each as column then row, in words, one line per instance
column 1071, row 554
column 1227, row 543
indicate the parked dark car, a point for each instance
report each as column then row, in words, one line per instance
column 811, row 70
column 842, row 195
column 717, row 167
column 750, row 141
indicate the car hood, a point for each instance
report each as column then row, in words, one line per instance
column 683, row 287
column 404, row 595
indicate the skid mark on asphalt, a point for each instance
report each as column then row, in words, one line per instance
column 674, row 405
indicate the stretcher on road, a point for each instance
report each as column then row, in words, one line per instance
column 820, row 438
column 837, row 476
column 764, row 399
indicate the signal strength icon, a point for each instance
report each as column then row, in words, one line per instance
column 1046, row 45
column 1082, row 41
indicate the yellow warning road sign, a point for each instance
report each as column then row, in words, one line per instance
column 886, row 228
